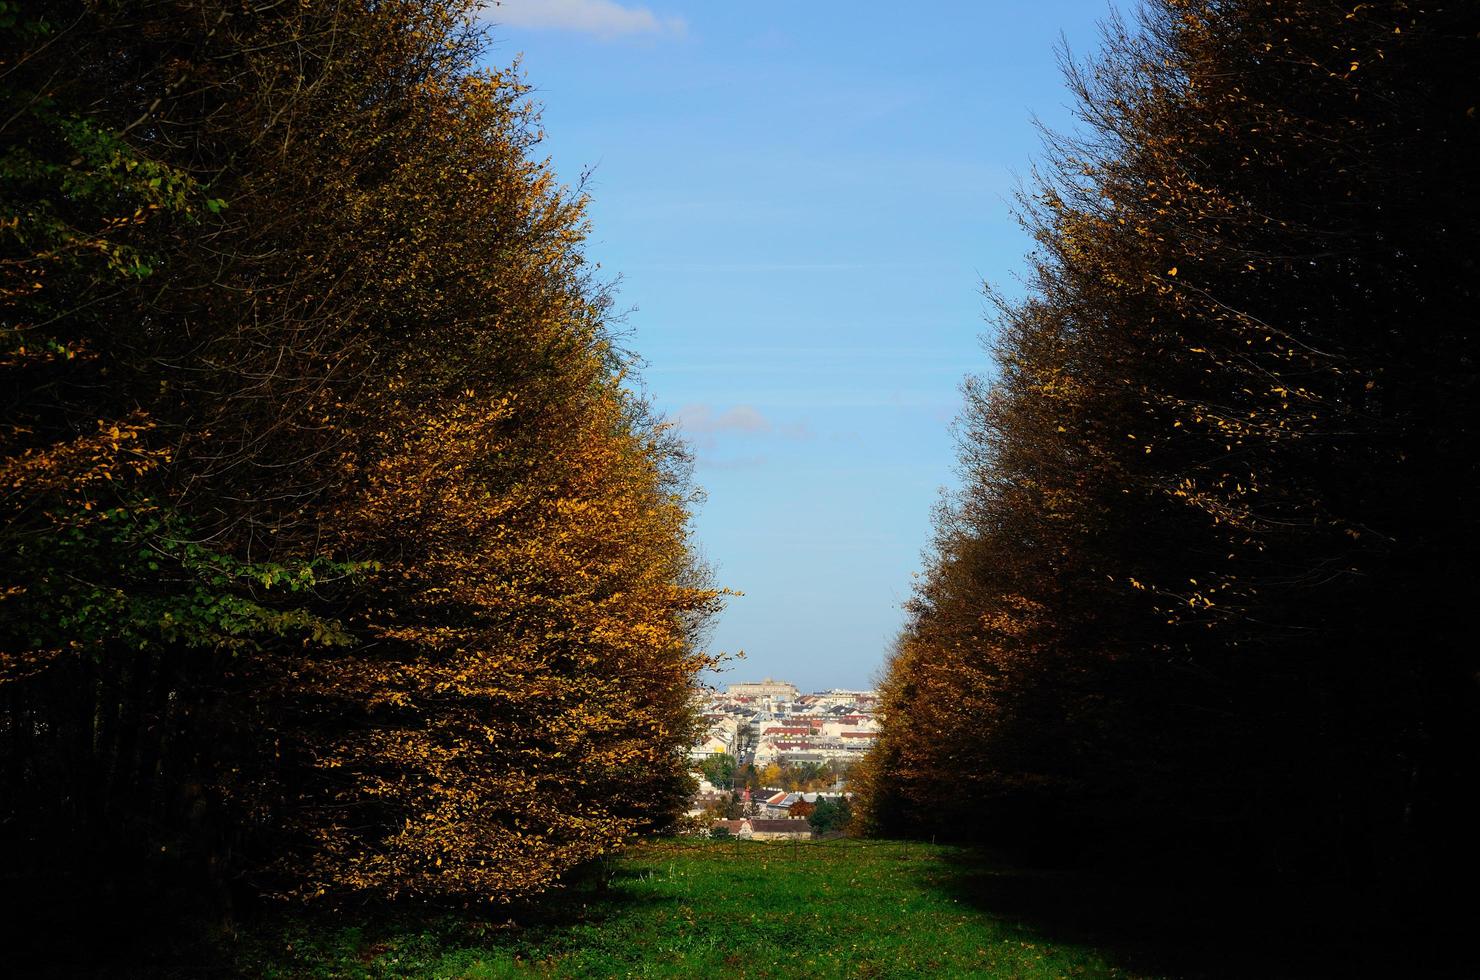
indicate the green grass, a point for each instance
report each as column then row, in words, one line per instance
column 840, row 908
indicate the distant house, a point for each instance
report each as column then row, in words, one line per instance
column 709, row 747
column 737, row 828
column 760, row 829
column 779, row 805
column 704, row 801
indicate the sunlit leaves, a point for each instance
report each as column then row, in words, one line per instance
column 368, row 453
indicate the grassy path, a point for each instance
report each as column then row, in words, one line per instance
column 715, row 909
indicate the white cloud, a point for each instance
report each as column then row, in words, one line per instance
column 605, row 19
column 704, row 427
column 704, row 420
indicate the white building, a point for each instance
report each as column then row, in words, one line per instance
column 721, row 739
column 768, row 688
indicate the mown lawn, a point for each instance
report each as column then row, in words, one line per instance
column 840, row 908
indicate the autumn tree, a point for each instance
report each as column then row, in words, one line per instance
column 831, row 816
column 122, row 604
column 719, row 769
column 1203, row 586
column 347, row 556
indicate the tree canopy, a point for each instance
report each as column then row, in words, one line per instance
column 344, row 555
column 1204, row 587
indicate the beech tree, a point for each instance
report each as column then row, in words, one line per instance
column 1203, row 587
column 348, row 558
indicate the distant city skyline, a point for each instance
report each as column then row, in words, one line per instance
column 802, row 208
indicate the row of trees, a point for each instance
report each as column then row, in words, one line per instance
column 340, row 556
column 722, row 770
column 826, row 816
column 805, row 777
column 1206, row 588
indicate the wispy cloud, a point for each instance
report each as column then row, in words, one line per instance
column 704, row 420
column 732, row 463
column 605, row 19
column 703, row 424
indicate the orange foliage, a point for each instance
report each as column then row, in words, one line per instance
column 1204, row 586
column 382, row 460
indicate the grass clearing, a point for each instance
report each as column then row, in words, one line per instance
column 842, row 908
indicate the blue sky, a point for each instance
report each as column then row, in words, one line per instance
column 802, row 201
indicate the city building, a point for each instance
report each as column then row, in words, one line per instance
column 768, row 688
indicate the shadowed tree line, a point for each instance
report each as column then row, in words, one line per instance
column 341, row 559
column 1204, row 597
